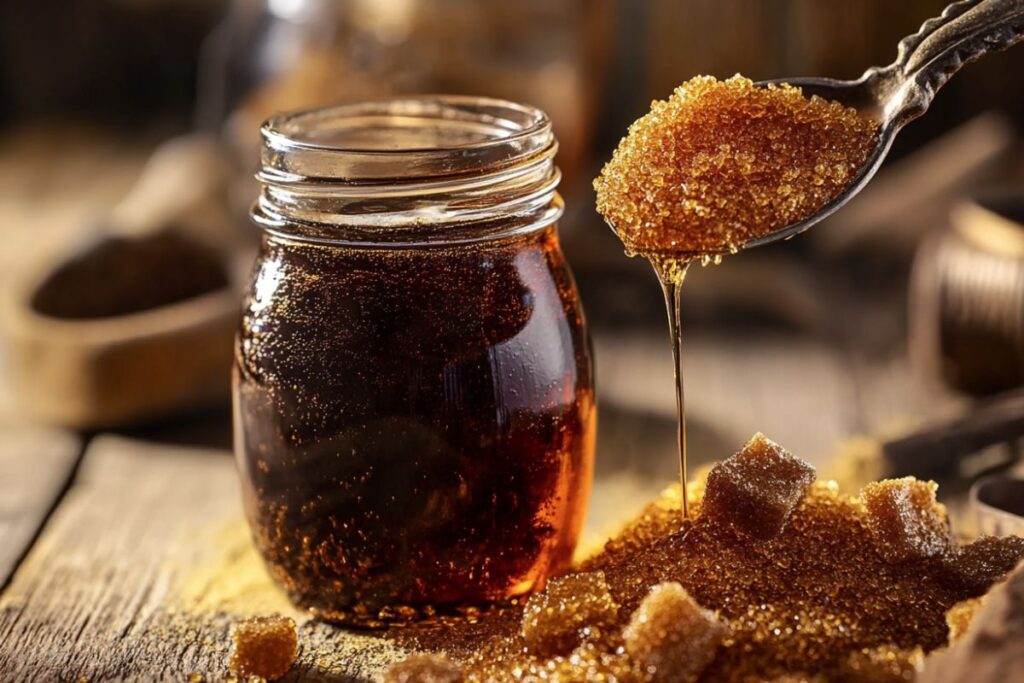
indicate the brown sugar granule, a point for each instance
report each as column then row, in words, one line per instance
column 671, row 637
column 723, row 162
column 797, row 606
column 756, row 490
column 424, row 668
column 959, row 617
column 979, row 564
column 905, row 521
column 881, row 665
column 264, row 647
column 572, row 608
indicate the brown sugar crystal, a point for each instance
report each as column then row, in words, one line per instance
column 723, row 162
column 264, row 647
column 882, row 664
column 756, row 490
column 817, row 602
column 979, row 564
column 959, row 617
column 671, row 637
column 905, row 521
column 424, row 668
column 572, row 608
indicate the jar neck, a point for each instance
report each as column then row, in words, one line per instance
column 437, row 169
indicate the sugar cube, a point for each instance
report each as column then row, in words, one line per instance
column 264, row 647
column 905, row 521
column 555, row 620
column 756, row 490
column 671, row 637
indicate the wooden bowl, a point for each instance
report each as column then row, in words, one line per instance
column 109, row 370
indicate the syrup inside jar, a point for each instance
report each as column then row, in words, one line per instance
column 718, row 164
column 414, row 407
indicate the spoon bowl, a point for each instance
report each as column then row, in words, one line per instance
column 857, row 94
column 895, row 95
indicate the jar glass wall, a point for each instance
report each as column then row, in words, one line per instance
column 414, row 406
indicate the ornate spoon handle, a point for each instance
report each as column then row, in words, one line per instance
column 926, row 60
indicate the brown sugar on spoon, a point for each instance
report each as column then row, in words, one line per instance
column 720, row 163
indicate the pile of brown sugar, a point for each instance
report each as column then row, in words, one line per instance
column 773, row 577
column 723, row 162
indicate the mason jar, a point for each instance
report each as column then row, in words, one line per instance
column 414, row 408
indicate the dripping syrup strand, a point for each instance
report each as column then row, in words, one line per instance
column 671, row 276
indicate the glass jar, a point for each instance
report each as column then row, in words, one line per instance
column 414, row 404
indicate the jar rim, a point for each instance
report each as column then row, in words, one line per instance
column 402, row 139
column 409, row 170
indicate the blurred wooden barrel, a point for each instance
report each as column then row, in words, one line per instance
column 967, row 298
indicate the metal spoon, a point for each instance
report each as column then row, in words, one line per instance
column 897, row 94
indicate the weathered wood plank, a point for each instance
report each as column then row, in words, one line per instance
column 140, row 573
column 35, row 465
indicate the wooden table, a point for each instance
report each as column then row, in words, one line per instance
column 142, row 566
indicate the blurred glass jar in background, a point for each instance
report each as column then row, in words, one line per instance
column 414, row 405
column 271, row 56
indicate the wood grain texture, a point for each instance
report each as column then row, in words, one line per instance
column 141, row 572
column 35, row 464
